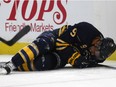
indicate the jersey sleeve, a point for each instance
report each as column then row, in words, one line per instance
column 69, row 54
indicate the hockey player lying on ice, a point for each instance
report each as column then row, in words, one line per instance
column 80, row 45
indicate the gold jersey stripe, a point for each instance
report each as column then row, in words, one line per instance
column 60, row 48
column 29, row 53
column 72, row 59
column 23, row 57
column 35, row 47
column 75, row 59
column 19, row 68
column 59, row 32
column 62, row 29
column 25, row 67
column 60, row 44
column 61, row 41
column 32, row 66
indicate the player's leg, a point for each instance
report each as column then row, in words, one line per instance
column 42, row 62
column 25, row 55
column 47, row 62
column 43, row 44
column 26, row 67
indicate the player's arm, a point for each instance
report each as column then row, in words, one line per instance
column 103, row 51
column 78, row 61
column 84, row 60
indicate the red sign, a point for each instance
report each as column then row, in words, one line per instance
column 34, row 9
column 37, row 13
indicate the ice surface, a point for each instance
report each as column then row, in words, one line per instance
column 66, row 77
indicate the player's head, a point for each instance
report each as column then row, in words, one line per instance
column 104, row 48
column 107, row 47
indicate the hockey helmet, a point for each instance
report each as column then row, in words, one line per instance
column 107, row 47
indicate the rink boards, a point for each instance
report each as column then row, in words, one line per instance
column 4, row 49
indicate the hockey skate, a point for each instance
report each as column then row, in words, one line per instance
column 6, row 68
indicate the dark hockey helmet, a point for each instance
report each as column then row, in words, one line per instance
column 107, row 47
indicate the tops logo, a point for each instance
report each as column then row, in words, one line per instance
column 40, row 16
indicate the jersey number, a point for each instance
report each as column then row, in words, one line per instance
column 73, row 33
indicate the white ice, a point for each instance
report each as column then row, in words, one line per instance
column 67, row 77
